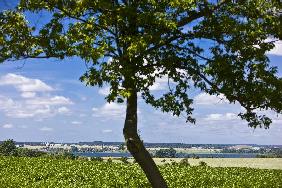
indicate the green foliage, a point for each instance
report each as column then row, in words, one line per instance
column 165, row 153
column 110, row 160
column 130, row 44
column 24, row 152
column 203, row 163
column 99, row 159
column 8, row 148
column 184, row 162
column 124, row 160
column 62, row 155
column 44, row 172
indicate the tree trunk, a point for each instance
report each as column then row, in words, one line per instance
column 136, row 147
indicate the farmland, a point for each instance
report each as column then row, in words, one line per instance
column 262, row 163
column 45, row 172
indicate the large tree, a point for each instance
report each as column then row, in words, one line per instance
column 217, row 46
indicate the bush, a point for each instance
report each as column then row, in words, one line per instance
column 100, row 159
column 203, row 163
column 82, row 158
column 184, row 162
column 62, row 155
column 124, row 160
column 166, row 153
column 24, row 152
column 109, row 160
column 8, row 148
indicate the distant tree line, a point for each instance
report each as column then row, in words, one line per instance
column 166, row 153
column 8, row 148
column 261, row 153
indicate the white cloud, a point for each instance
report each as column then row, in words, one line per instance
column 277, row 50
column 107, row 131
column 28, row 94
column 6, row 102
column 63, row 110
column 56, row 100
column 31, row 105
column 95, row 109
column 76, row 122
column 42, row 107
column 113, row 110
column 160, row 84
column 207, row 99
column 221, row 117
column 47, row 129
column 8, row 126
column 83, row 98
column 24, row 84
column 104, row 90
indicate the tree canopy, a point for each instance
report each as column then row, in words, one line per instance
column 146, row 40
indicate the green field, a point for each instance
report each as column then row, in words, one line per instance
column 44, row 172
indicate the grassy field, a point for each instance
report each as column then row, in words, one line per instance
column 44, row 172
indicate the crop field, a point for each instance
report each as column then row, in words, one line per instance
column 262, row 163
column 45, row 172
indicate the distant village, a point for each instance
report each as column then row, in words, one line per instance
column 99, row 146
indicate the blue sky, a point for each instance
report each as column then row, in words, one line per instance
column 43, row 100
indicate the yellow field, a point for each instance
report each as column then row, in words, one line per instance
column 262, row 163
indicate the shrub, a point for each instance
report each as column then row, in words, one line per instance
column 203, row 163
column 8, row 148
column 100, row 159
column 62, row 155
column 24, row 152
column 124, row 160
column 166, row 153
column 184, row 162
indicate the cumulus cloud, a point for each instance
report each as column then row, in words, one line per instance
column 104, row 90
column 277, row 50
column 56, row 100
column 160, row 84
column 76, row 122
column 24, row 84
column 43, row 107
column 207, row 99
column 28, row 94
column 107, row 131
column 8, row 126
column 46, row 129
column 6, row 102
column 63, row 110
column 30, row 104
column 113, row 110
column 222, row 117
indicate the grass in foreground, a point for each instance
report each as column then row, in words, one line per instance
column 44, row 172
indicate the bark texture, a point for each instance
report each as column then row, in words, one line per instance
column 136, row 146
